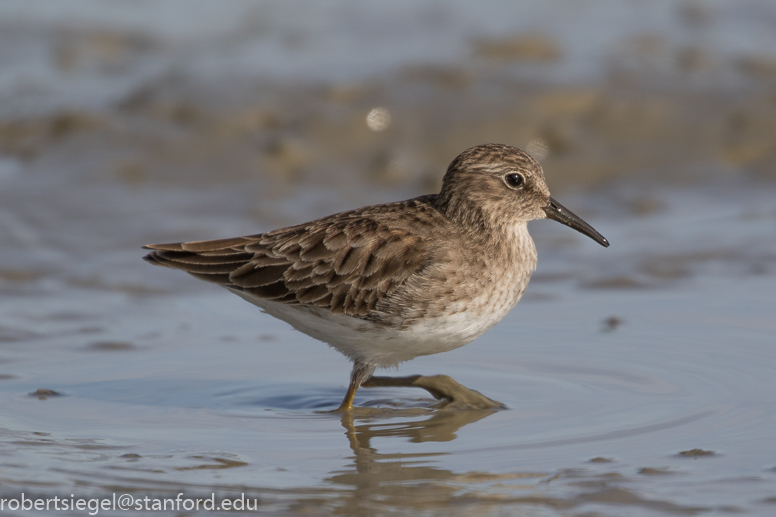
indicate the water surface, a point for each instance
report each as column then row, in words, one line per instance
column 638, row 379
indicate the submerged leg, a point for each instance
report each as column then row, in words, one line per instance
column 360, row 373
column 442, row 387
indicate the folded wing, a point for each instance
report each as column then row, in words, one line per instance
column 346, row 263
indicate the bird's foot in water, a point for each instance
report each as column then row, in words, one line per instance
column 453, row 394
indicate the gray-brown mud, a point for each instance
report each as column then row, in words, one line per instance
column 638, row 379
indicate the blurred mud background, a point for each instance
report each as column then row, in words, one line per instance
column 125, row 123
column 312, row 109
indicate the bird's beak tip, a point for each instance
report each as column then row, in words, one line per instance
column 563, row 215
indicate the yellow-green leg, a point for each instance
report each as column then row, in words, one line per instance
column 360, row 373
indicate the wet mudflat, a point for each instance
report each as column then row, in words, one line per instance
column 638, row 379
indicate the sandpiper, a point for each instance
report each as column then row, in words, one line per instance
column 387, row 283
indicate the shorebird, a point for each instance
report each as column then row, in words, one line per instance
column 384, row 284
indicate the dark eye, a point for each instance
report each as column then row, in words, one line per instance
column 514, row 180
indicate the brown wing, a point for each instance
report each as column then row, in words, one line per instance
column 346, row 262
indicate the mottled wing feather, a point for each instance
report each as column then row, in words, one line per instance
column 212, row 265
column 346, row 262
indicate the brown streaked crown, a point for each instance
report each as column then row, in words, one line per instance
column 474, row 191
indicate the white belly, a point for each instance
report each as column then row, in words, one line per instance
column 386, row 346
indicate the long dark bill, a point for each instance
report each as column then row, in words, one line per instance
column 563, row 215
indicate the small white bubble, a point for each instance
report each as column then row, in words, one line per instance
column 538, row 148
column 378, row 119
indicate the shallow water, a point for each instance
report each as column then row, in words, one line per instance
column 638, row 379
column 197, row 392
